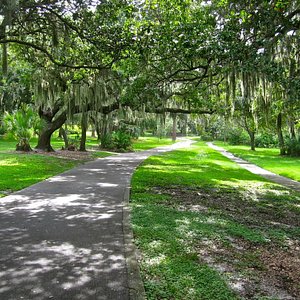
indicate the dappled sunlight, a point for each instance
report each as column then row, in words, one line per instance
column 9, row 162
column 198, row 214
column 153, row 261
column 59, row 178
column 64, row 266
column 64, row 238
column 54, row 241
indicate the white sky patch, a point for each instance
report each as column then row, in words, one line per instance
column 291, row 32
column 261, row 51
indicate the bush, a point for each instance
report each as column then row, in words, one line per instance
column 266, row 140
column 237, row 137
column 118, row 140
column 107, row 141
column 2, row 130
column 21, row 125
column 122, row 140
column 293, row 147
column 206, row 136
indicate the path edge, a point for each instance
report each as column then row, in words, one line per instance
column 135, row 283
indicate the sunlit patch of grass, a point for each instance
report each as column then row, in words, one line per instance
column 188, row 209
column 145, row 143
column 18, row 171
column 268, row 159
column 101, row 154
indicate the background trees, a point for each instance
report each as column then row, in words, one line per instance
column 239, row 60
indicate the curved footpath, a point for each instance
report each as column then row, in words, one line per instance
column 69, row 237
column 292, row 184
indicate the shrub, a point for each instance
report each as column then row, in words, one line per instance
column 266, row 140
column 118, row 140
column 237, row 137
column 107, row 141
column 21, row 125
column 122, row 140
column 293, row 147
column 206, row 136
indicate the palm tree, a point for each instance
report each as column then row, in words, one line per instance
column 20, row 124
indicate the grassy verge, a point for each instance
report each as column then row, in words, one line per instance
column 268, row 159
column 19, row 170
column 207, row 229
column 145, row 143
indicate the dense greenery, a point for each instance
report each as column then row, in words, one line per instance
column 106, row 64
column 205, row 227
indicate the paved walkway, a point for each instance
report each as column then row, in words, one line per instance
column 68, row 238
column 292, row 184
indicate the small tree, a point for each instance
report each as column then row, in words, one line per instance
column 21, row 124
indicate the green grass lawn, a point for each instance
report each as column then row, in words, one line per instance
column 268, row 159
column 145, row 143
column 19, row 170
column 208, row 229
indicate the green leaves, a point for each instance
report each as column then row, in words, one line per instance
column 22, row 123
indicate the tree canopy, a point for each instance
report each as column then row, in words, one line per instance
column 229, row 57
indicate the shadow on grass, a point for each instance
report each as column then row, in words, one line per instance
column 197, row 210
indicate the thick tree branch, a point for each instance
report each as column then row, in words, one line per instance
column 52, row 59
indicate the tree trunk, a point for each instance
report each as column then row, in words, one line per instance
column 291, row 123
column 23, row 145
column 104, row 130
column 174, row 127
column 251, row 134
column 280, row 135
column 252, row 139
column 83, row 131
column 93, row 132
column 44, row 141
column 98, row 132
column 185, row 125
column 63, row 134
column 4, row 60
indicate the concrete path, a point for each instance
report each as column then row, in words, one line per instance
column 292, row 184
column 68, row 238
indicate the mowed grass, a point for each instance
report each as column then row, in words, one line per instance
column 268, row 159
column 19, row 170
column 145, row 143
column 204, row 228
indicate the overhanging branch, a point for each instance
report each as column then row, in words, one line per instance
column 51, row 58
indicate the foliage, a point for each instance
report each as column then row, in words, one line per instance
column 237, row 136
column 22, row 125
column 191, row 207
column 293, row 147
column 122, row 140
column 266, row 140
column 107, row 141
column 15, row 86
column 149, row 56
column 118, row 140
